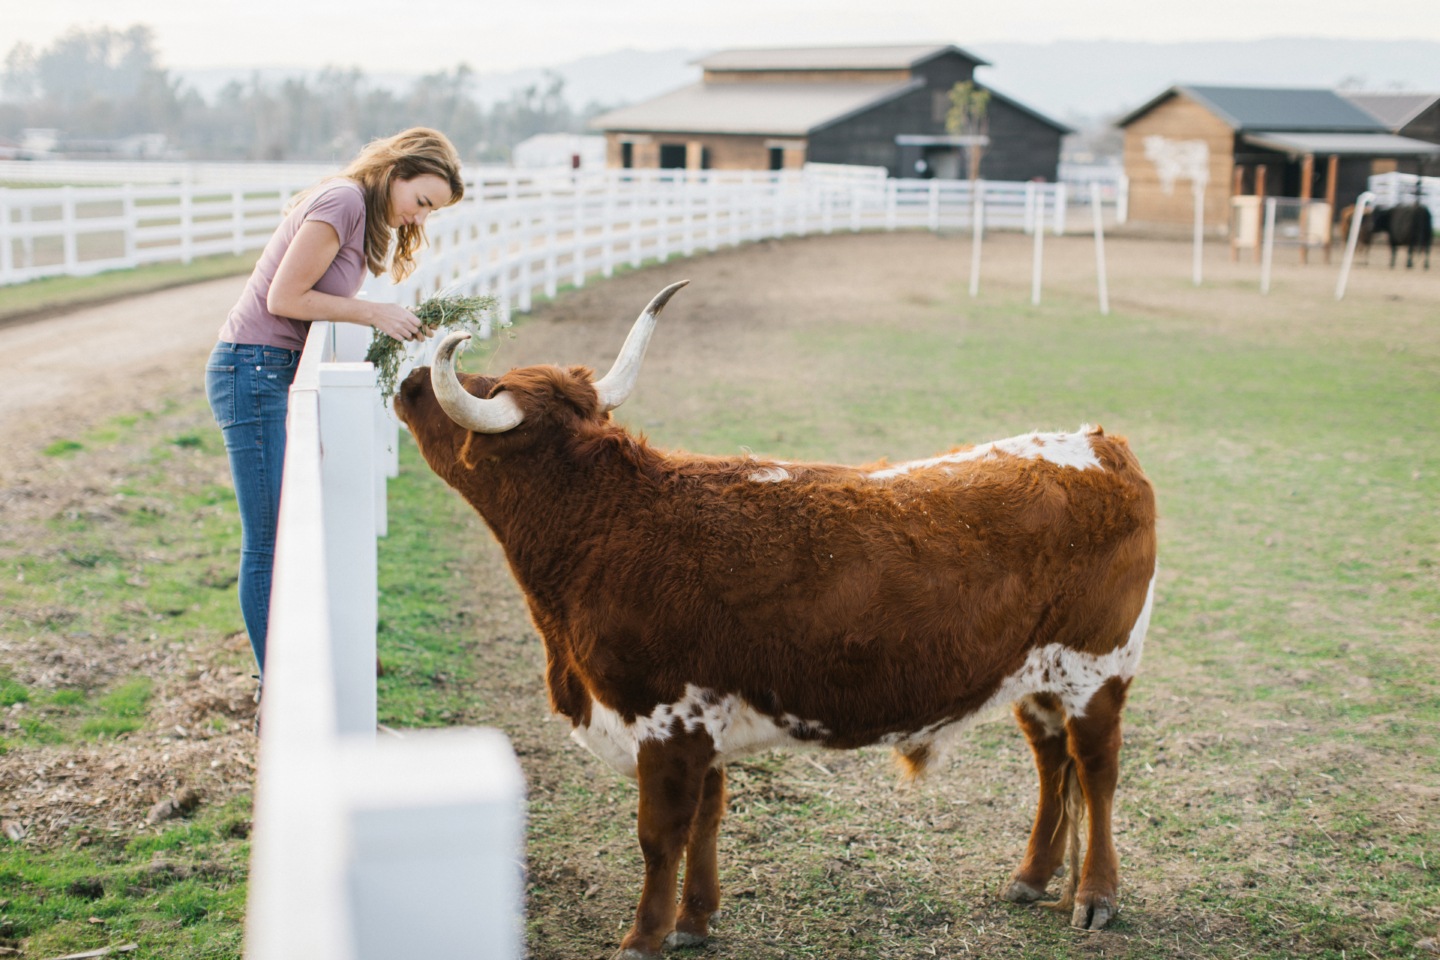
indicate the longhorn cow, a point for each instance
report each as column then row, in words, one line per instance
column 697, row 609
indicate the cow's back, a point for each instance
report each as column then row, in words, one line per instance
column 870, row 607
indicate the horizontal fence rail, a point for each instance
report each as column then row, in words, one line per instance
column 517, row 237
column 528, row 223
column 79, row 231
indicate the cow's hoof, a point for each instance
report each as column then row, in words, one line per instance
column 679, row 939
column 1093, row 913
column 1021, row 892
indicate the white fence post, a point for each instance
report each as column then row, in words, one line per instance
column 1364, row 202
column 1268, row 245
column 187, row 222
column 436, row 827
column 7, row 245
column 347, row 436
column 237, row 220
column 67, row 215
column 1039, row 255
column 132, row 226
column 1098, row 216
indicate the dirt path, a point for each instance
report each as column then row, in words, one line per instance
column 62, row 372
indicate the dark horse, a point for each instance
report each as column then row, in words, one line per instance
column 1410, row 226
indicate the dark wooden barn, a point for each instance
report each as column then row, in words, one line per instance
column 882, row 106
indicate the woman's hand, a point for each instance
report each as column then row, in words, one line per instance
column 395, row 321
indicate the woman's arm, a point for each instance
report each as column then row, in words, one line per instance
column 293, row 294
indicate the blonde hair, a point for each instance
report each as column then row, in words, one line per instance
column 405, row 156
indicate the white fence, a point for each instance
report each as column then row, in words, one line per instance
column 1393, row 189
column 526, row 236
column 409, row 847
column 529, row 224
column 78, row 231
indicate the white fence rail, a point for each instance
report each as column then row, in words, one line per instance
column 527, row 223
column 523, row 237
column 78, row 231
column 404, row 848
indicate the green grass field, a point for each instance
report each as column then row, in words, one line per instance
column 1280, row 795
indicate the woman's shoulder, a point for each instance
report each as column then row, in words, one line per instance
column 341, row 189
column 339, row 201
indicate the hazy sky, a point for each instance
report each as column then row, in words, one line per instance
column 382, row 36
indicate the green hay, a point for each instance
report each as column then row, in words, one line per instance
column 458, row 313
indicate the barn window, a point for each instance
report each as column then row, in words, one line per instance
column 627, row 155
column 672, row 156
column 777, row 158
column 704, row 158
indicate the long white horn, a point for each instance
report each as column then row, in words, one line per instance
column 615, row 386
column 473, row 413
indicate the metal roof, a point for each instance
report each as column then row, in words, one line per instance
column 1028, row 110
column 1344, row 144
column 897, row 57
column 1393, row 109
column 1272, row 108
column 767, row 109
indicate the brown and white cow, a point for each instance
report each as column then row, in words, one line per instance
column 699, row 609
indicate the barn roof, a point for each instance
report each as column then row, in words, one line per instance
column 1344, row 144
column 1271, row 108
column 1394, row 110
column 896, row 57
column 767, row 109
column 1028, row 110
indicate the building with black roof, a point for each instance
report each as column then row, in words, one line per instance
column 883, row 106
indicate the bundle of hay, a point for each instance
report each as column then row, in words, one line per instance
column 455, row 313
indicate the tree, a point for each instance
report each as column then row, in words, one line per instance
column 969, row 116
column 94, row 83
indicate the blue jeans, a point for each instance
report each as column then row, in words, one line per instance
column 248, row 386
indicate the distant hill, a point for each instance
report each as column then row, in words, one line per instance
column 1079, row 82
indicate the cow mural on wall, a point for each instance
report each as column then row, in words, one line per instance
column 698, row 609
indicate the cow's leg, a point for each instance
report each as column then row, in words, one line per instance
column 672, row 775
column 1095, row 748
column 700, row 897
column 1043, row 720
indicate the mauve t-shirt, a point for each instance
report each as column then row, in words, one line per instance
column 340, row 203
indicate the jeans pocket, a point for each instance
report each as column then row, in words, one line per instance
column 220, row 391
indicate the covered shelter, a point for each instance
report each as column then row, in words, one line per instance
column 1309, row 144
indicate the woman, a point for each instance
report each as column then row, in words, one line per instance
column 312, row 269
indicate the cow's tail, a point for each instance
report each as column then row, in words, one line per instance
column 1074, row 799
